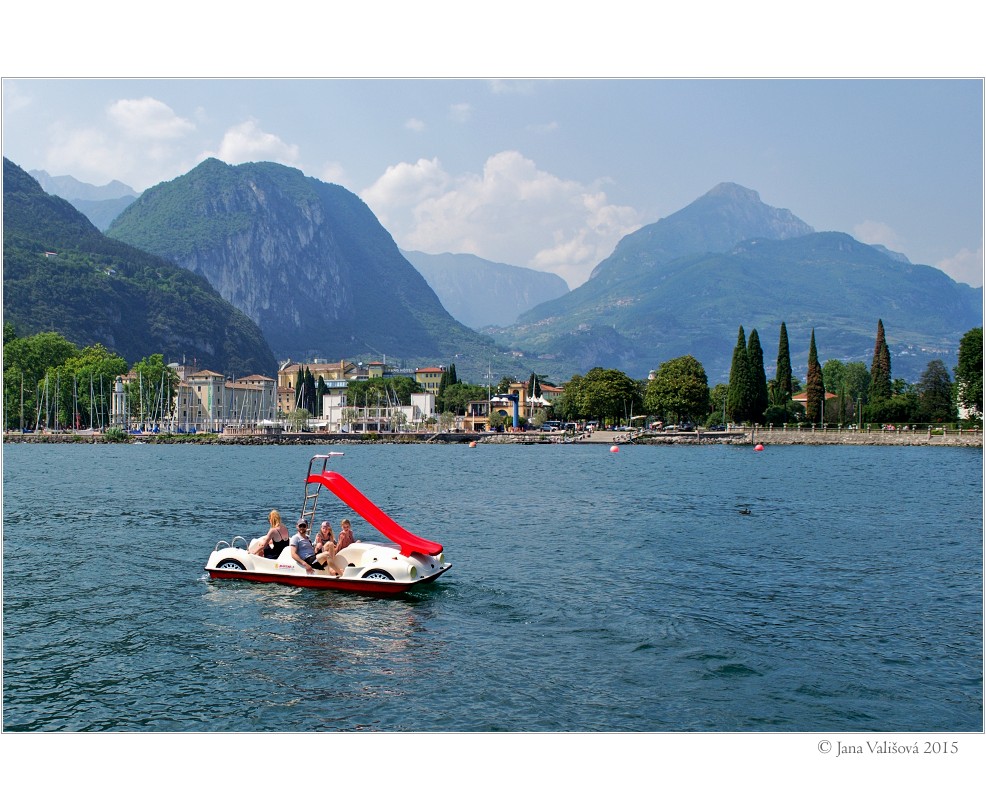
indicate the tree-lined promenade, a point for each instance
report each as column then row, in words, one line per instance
column 45, row 374
column 767, row 436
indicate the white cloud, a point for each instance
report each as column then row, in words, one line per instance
column 877, row 233
column 15, row 97
column 333, row 172
column 246, row 142
column 404, row 186
column 139, row 142
column 86, row 154
column 148, row 118
column 414, row 124
column 513, row 212
column 966, row 266
column 460, row 113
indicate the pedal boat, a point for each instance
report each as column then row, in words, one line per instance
column 392, row 565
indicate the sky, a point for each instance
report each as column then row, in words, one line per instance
column 547, row 173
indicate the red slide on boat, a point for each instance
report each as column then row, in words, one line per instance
column 345, row 492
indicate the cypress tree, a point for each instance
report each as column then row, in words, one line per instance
column 321, row 389
column 880, row 369
column 782, row 380
column 740, row 382
column 309, row 396
column 814, row 386
column 759, row 400
column 299, row 387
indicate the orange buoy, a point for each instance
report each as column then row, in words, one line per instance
column 472, row 444
column 758, row 447
column 614, row 449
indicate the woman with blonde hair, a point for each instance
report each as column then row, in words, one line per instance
column 276, row 540
column 325, row 546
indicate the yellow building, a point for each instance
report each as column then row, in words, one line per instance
column 429, row 377
column 287, row 377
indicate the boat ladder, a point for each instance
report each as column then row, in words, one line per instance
column 312, row 489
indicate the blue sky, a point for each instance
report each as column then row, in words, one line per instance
column 547, row 174
column 544, row 173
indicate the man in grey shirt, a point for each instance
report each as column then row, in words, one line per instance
column 302, row 549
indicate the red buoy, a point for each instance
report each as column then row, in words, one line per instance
column 614, row 449
column 758, row 447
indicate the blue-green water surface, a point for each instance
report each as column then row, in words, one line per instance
column 590, row 591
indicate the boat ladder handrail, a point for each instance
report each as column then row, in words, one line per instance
column 311, row 495
column 232, row 544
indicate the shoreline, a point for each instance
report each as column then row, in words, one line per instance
column 966, row 437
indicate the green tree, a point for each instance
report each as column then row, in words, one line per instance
column 446, row 421
column 679, row 390
column 299, row 388
column 608, row 394
column 459, row 395
column 935, row 394
column 321, row 389
column 718, row 395
column 35, row 365
column 151, row 390
column 308, row 397
column 783, row 389
column 403, row 387
column 349, row 417
column 758, row 378
column 880, row 388
column 969, row 372
column 447, row 379
column 815, row 386
column 856, row 380
column 533, row 386
column 497, row 420
column 739, row 399
column 298, row 418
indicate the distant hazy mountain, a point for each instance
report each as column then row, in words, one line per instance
column 685, row 284
column 61, row 274
column 101, row 204
column 481, row 293
column 306, row 260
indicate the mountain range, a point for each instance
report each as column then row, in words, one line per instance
column 100, row 204
column 481, row 293
column 307, row 261
column 311, row 265
column 685, row 284
column 60, row 273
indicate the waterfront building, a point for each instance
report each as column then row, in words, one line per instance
column 199, row 404
column 429, row 378
column 287, row 377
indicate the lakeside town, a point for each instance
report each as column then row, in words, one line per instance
column 204, row 406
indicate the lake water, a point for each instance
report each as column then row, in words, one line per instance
column 590, row 591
